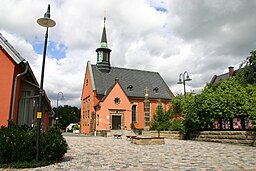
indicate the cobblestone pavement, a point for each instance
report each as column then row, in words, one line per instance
column 110, row 154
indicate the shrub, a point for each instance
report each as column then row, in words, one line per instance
column 18, row 145
column 132, row 126
column 52, row 145
column 140, row 131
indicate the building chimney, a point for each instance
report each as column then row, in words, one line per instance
column 231, row 71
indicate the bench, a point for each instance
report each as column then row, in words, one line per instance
column 129, row 137
column 117, row 136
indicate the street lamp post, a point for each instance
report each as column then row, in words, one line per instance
column 44, row 22
column 183, row 77
column 58, row 98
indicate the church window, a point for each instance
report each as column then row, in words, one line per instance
column 88, row 107
column 134, row 113
column 100, row 56
column 130, row 88
column 98, row 119
column 105, row 56
column 117, row 100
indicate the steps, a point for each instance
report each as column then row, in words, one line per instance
column 121, row 132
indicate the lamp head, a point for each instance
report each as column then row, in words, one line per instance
column 62, row 96
column 188, row 79
column 180, row 82
column 46, row 21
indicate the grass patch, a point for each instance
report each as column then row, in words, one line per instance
column 22, row 165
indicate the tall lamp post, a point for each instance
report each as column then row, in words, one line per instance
column 44, row 22
column 183, row 77
column 58, row 98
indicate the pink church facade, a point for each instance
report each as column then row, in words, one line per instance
column 113, row 98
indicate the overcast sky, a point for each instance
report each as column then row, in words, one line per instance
column 203, row 37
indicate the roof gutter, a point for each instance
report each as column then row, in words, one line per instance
column 15, row 87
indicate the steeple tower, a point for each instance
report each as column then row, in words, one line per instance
column 103, row 53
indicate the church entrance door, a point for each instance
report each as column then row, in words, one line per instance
column 116, row 119
column 116, row 122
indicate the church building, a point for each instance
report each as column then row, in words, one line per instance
column 115, row 98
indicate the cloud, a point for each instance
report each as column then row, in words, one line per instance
column 170, row 37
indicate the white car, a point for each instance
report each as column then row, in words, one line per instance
column 69, row 128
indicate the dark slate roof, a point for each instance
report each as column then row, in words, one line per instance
column 217, row 78
column 10, row 50
column 15, row 55
column 137, row 78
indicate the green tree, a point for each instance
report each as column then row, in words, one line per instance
column 235, row 96
column 67, row 114
column 227, row 99
column 186, row 107
column 247, row 74
column 161, row 119
column 176, row 106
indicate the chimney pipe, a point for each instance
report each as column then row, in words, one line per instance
column 231, row 71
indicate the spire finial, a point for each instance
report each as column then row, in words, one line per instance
column 105, row 12
column 104, row 35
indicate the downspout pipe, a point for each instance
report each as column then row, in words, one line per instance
column 15, row 87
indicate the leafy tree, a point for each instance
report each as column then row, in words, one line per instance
column 248, row 69
column 229, row 98
column 186, row 107
column 161, row 119
column 176, row 104
column 67, row 114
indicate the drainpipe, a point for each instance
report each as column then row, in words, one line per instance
column 15, row 87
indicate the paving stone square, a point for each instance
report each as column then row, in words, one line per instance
column 111, row 154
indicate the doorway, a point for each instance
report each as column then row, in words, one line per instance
column 116, row 122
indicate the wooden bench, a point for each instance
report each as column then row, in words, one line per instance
column 117, row 136
column 129, row 137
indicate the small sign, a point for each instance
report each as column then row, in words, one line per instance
column 39, row 115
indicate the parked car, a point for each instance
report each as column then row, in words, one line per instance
column 71, row 127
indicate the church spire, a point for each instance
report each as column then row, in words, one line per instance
column 103, row 53
column 104, row 43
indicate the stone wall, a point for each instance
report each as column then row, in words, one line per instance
column 102, row 133
column 235, row 137
column 166, row 134
column 148, row 140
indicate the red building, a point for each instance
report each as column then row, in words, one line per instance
column 19, row 89
column 113, row 98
